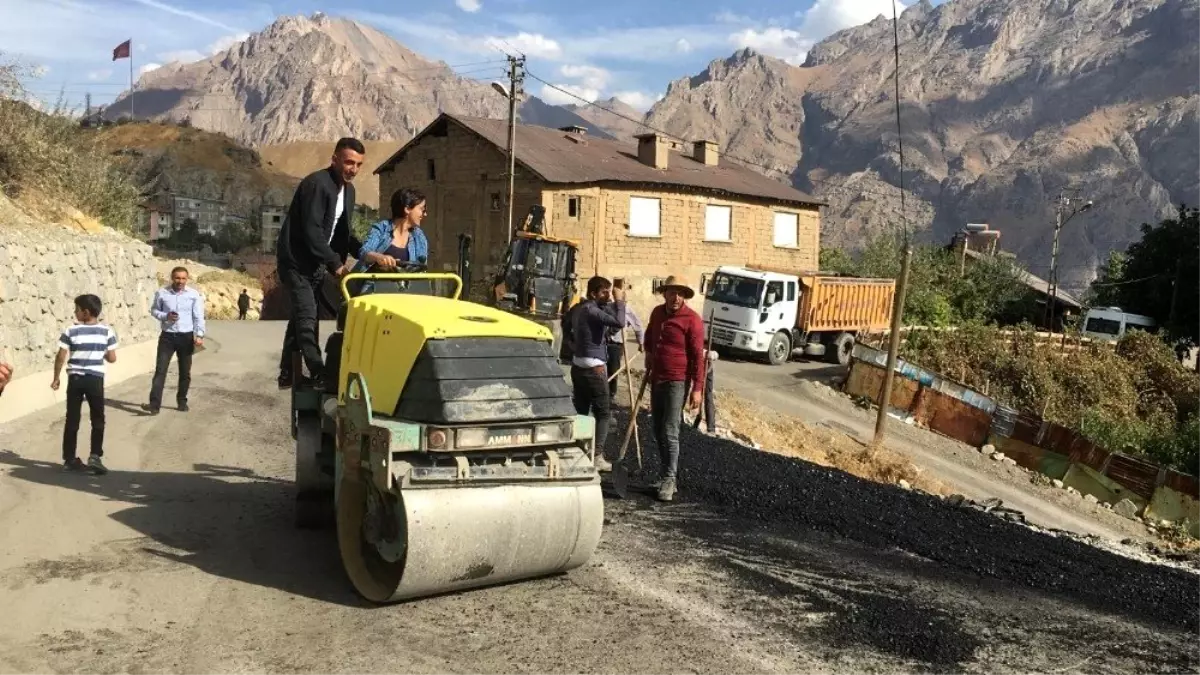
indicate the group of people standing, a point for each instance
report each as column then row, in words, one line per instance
column 677, row 363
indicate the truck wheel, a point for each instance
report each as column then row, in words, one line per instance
column 841, row 349
column 780, row 349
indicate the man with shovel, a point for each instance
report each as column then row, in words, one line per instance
column 676, row 358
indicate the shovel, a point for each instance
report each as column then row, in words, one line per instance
column 620, row 475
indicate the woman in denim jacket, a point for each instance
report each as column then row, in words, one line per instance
column 399, row 240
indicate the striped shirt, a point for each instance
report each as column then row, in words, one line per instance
column 86, row 345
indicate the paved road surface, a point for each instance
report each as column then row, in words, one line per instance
column 184, row 559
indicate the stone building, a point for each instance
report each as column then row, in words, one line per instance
column 208, row 214
column 271, row 221
column 638, row 212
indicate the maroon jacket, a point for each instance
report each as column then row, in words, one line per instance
column 675, row 346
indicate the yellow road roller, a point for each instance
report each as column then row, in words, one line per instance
column 450, row 456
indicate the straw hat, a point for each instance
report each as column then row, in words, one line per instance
column 677, row 284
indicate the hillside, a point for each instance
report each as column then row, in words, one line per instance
column 319, row 78
column 301, row 158
column 1005, row 102
column 196, row 163
column 619, row 125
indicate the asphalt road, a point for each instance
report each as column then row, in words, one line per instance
column 184, row 559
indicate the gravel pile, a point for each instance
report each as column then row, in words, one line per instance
column 758, row 486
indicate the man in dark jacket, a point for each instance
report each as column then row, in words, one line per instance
column 314, row 241
column 243, row 305
column 590, row 326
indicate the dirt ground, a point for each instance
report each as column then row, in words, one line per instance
column 184, row 559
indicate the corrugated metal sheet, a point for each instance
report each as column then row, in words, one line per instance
column 1181, row 482
column 1139, row 477
column 559, row 157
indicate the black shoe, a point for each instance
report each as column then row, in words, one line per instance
column 73, row 465
column 285, row 380
column 96, row 466
column 153, row 410
column 183, row 407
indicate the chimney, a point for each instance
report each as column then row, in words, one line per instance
column 574, row 129
column 652, row 150
column 705, row 152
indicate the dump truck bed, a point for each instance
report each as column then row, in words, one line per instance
column 845, row 304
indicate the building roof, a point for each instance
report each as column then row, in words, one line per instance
column 1036, row 283
column 560, row 157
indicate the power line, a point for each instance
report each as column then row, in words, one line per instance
column 1130, row 281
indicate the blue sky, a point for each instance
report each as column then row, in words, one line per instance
column 598, row 49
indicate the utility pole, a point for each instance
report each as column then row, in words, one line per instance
column 516, row 77
column 889, row 376
column 1060, row 204
column 87, row 102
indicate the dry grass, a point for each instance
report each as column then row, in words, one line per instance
column 232, row 277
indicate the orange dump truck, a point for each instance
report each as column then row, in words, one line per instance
column 774, row 314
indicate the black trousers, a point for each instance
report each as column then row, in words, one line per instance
column 590, row 396
column 182, row 346
column 301, row 332
column 79, row 388
column 616, row 354
column 242, row 313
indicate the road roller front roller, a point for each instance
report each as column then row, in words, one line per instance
column 450, row 455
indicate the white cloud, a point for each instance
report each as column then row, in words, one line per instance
column 148, row 68
column 556, row 97
column 683, row 46
column 530, row 44
column 638, row 100
column 226, row 42
column 818, row 22
column 782, row 43
column 181, row 56
column 98, row 75
column 468, row 5
column 589, row 77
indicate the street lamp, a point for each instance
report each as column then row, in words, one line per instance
column 1077, row 206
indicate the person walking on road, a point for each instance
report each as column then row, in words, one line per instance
column 179, row 309
column 315, row 240
column 243, row 305
column 84, row 348
column 589, row 364
column 676, row 358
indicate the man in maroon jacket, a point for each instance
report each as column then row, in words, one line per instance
column 675, row 356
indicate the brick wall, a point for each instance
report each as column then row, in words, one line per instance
column 467, row 173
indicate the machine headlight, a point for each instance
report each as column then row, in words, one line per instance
column 553, row 433
column 435, row 439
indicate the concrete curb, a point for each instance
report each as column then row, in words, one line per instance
column 31, row 393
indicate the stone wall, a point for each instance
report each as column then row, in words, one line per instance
column 43, row 268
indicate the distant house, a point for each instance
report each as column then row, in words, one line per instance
column 638, row 211
column 271, row 219
column 154, row 220
column 979, row 242
column 208, row 214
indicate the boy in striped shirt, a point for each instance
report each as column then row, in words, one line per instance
column 85, row 347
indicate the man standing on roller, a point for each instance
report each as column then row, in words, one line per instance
column 314, row 241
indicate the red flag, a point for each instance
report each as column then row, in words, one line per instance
column 122, row 50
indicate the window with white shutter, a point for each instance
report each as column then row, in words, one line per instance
column 786, row 230
column 717, row 223
column 644, row 218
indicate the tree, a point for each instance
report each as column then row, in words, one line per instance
column 1159, row 276
column 1104, row 291
column 364, row 218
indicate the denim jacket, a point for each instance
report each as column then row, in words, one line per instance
column 380, row 237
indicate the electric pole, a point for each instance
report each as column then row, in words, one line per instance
column 889, row 376
column 516, row 77
column 1060, row 204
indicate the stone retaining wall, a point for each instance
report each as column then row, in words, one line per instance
column 42, row 269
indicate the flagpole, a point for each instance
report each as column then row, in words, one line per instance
column 130, row 79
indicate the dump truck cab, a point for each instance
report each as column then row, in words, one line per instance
column 450, row 455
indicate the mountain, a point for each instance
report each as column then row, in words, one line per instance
column 613, row 115
column 316, row 79
column 300, row 158
column 1004, row 103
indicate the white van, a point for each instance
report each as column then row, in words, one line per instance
column 1111, row 323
